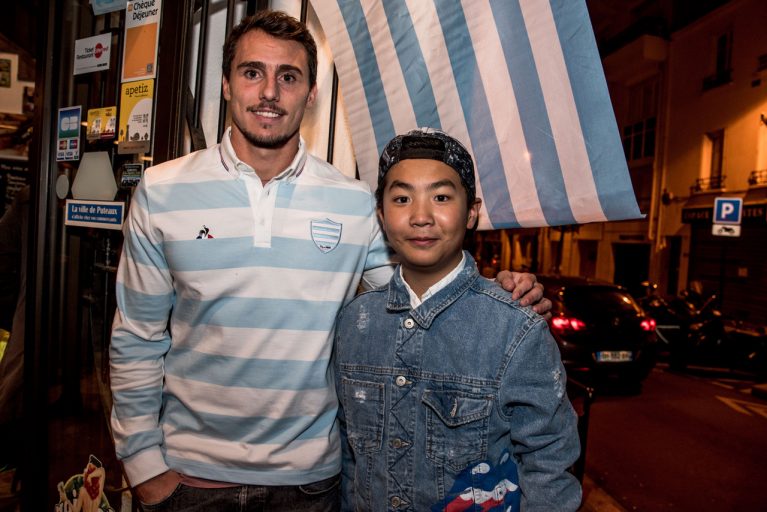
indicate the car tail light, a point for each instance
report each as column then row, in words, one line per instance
column 564, row 323
column 648, row 324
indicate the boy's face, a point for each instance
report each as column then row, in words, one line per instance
column 425, row 216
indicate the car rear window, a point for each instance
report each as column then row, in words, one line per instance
column 595, row 298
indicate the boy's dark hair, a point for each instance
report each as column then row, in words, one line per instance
column 430, row 144
column 276, row 24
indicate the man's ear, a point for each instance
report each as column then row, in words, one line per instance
column 473, row 217
column 225, row 85
column 312, row 97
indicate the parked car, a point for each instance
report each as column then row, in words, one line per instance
column 601, row 330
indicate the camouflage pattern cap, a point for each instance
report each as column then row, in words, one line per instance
column 431, row 144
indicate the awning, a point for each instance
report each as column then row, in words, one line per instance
column 699, row 208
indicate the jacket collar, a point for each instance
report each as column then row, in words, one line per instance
column 399, row 299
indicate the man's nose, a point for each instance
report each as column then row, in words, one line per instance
column 270, row 90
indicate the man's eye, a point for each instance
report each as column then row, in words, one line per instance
column 288, row 78
column 250, row 73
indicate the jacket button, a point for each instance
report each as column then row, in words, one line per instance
column 400, row 381
column 409, row 323
column 396, row 502
column 396, row 443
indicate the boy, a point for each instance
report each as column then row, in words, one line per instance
column 452, row 395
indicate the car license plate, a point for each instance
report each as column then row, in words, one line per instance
column 615, row 356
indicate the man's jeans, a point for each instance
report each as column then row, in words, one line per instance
column 322, row 496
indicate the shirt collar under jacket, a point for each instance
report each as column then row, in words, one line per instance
column 416, row 301
column 398, row 298
column 235, row 166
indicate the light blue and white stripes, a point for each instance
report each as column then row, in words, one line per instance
column 518, row 81
column 238, row 388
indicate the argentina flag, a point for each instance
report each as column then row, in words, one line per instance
column 519, row 82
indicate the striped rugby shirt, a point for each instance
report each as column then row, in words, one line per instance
column 236, row 387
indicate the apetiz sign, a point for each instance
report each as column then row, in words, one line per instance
column 728, row 212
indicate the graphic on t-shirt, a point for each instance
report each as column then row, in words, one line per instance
column 484, row 487
column 326, row 234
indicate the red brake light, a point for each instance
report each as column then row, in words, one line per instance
column 648, row 324
column 563, row 323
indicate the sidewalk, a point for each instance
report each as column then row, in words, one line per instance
column 595, row 499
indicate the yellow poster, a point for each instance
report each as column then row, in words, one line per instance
column 101, row 123
column 142, row 24
column 135, row 117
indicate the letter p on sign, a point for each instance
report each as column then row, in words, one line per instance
column 728, row 210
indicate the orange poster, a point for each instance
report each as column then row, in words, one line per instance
column 142, row 24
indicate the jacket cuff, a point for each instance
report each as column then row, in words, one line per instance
column 145, row 465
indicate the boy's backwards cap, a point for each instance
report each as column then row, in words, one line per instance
column 430, row 144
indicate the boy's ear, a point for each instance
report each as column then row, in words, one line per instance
column 473, row 217
column 379, row 214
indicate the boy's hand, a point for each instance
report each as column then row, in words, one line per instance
column 523, row 286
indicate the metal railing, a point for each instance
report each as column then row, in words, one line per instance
column 708, row 184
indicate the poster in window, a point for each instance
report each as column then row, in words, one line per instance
column 135, row 117
column 142, row 25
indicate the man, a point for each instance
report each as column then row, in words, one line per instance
column 221, row 343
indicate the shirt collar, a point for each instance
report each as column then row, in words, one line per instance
column 416, row 301
column 235, row 166
column 399, row 300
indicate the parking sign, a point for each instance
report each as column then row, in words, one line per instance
column 727, row 210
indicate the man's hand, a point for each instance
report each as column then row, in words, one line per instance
column 158, row 488
column 523, row 286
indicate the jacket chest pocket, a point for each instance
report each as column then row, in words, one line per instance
column 456, row 427
column 363, row 404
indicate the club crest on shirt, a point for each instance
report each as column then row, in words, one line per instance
column 326, row 234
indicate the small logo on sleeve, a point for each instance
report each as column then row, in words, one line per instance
column 326, row 234
column 204, row 233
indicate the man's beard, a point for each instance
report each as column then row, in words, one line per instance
column 273, row 142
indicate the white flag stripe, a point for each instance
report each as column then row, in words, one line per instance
column 363, row 136
column 395, row 88
column 563, row 114
column 430, row 37
column 497, row 75
column 504, row 112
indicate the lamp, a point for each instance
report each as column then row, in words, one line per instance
column 95, row 178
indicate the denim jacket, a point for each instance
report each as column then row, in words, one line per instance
column 456, row 405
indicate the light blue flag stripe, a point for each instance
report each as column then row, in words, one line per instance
column 609, row 195
column 476, row 110
column 356, row 25
column 413, row 64
column 592, row 99
column 547, row 171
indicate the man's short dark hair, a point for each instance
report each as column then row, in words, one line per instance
column 276, row 24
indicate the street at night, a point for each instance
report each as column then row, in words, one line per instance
column 688, row 441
